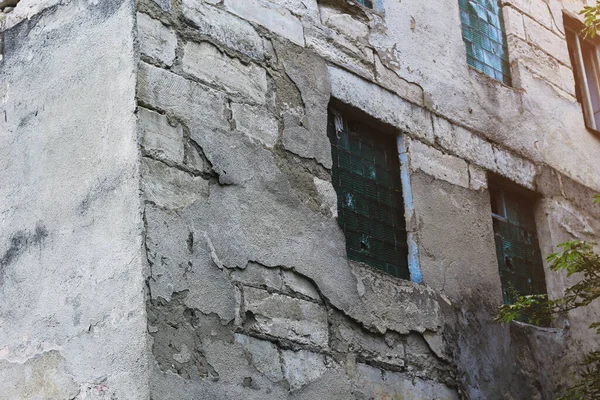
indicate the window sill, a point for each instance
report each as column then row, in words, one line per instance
column 493, row 81
column 594, row 132
column 539, row 329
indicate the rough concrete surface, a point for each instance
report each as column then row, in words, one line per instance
column 170, row 228
column 72, row 315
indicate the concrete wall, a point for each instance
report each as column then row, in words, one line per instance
column 236, row 250
column 251, row 294
column 72, row 313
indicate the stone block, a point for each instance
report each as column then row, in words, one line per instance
column 287, row 317
column 463, row 143
column 302, row 367
column 224, row 28
column 256, row 122
column 170, row 187
column 380, row 103
column 257, row 275
column 437, row 164
column 156, row 40
column 264, row 356
column 295, row 283
column 195, row 160
column 472, row 147
column 381, row 295
column 344, row 23
column 369, row 346
column 513, row 22
column 276, row 19
column 546, row 40
column 515, row 168
column 477, row 178
column 304, row 142
column 334, row 48
column 188, row 100
column 389, row 79
column 209, row 64
column 159, row 138
column 308, row 10
column 437, row 344
column 580, row 196
column 537, row 8
column 541, row 64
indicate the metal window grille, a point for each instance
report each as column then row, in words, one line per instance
column 366, row 3
column 366, row 177
column 485, row 38
column 519, row 258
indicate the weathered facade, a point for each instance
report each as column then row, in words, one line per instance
column 171, row 229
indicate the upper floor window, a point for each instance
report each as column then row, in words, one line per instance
column 519, row 257
column 584, row 59
column 485, row 39
column 366, row 177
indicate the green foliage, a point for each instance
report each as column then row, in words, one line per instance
column 576, row 258
column 591, row 19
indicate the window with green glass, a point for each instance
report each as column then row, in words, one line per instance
column 519, row 257
column 485, row 38
column 366, row 177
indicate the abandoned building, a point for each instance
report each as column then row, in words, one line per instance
column 292, row 199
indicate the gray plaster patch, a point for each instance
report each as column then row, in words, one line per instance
column 307, row 132
column 181, row 261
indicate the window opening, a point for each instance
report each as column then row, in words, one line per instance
column 366, row 177
column 485, row 38
column 584, row 54
column 519, row 258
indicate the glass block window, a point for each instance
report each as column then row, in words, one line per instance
column 517, row 248
column 366, row 177
column 485, row 39
column 366, row 3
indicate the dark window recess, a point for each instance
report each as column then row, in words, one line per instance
column 485, row 38
column 517, row 248
column 366, row 3
column 366, row 177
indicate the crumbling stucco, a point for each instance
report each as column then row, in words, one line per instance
column 187, row 246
